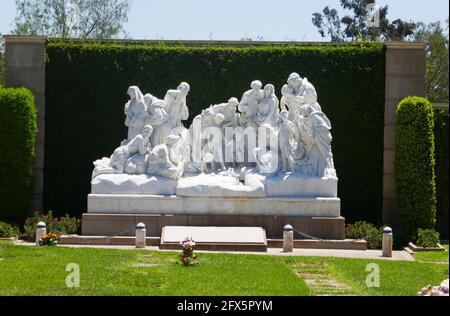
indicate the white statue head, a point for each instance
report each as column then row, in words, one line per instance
column 294, row 80
column 134, row 92
column 219, row 118
column 284, row 115
column 256, row 85
column 286, row 90
column 233, row 102
column 306, row 110
column 172, row 139
column 184, row 88
column 147, row 131
column 207, row 114
column 269, row 89
column 148, row 99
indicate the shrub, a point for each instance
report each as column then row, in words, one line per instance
column 17, row 152
column 7, row 230
column 61, row 226
column 86, row 86
column 427, row 238
column 366, row 231
column 414, row 165
column 441, row 132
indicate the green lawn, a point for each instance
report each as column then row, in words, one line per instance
column 440, row 256
column 41, row 271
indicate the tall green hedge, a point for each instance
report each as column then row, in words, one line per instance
column 414, row 164
column 86, row 86
column 17, row 152
column 441, row 132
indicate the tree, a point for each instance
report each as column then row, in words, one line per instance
column 2, row 60
column 437, row 59
column 99, row 19
column 356, row 26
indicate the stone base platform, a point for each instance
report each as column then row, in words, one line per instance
column 104, row 224
column 176, row 205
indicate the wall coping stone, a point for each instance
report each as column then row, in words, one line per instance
column 25, row 39
column 405, row 45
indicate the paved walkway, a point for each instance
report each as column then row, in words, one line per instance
column 355, row 254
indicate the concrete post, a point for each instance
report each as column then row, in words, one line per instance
column 288, row 238
column 387, row 242
column 405, row 76
column 140, row 235
column 25, row 67
column 41, row 229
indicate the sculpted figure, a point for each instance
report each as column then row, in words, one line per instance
column 318, row 143
column 213, row 147
column 196, row 130
column 286, row 134
column 268, row 110
column 229, row 111
column 175, row 150
column 136, row 112
column 158, row 118
column 159, row 163
column 303, row 136
column 249, row 104
column 119, row 161
column 175, row 101
column 298, row 92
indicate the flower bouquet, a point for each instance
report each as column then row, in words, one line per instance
column 441, row 290
column 50, row 239
column 188, row 258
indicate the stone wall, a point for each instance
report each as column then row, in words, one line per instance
column 405, row 76
column 25, row 67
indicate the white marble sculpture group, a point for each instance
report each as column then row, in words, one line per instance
column 236, row 145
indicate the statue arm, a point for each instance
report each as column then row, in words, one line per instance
column 168, row 99
column 142, row 148
column 243, row 105
column 157, row 117
column 283, row 103
column 291, row 127
column 185, row 112
column 298, row 100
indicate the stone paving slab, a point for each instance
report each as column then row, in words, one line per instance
column 247, row 235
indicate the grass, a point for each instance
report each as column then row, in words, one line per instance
column 439, row 256
column 41, row 271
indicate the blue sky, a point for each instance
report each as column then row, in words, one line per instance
column 281, row 20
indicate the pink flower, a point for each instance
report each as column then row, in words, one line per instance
column 444, row 286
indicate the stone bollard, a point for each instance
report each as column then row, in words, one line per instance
column 140, row 235
column 288, row 238
column 387, row 242
column 41, row 229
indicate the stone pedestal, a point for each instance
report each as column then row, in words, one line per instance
column 176, row 205
column 114, row 224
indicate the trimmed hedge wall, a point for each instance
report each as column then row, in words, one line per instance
column 86, row 86
column 414, row 165
column 17, row 152
column 441, row 132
